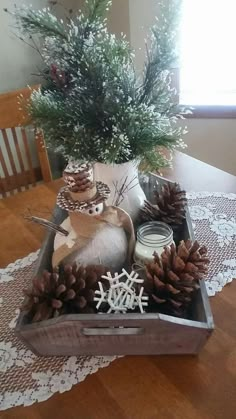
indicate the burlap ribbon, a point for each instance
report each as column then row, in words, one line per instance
column 86, row 227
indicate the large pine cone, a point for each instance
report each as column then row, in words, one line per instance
column 169, row 207
column 173, row 278
column 67, row 290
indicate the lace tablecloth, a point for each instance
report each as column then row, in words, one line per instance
column 26, row 378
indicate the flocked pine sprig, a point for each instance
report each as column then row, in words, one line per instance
column 92, row 106
column 41, row 22
column 161, row 50
column 96, row 9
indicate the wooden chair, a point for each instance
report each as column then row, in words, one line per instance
column 17, row 170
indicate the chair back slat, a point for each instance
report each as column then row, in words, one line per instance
column 28, row 157
column 43, row 156
column 20, row 160
column 19, row 156
column 6, row 180
column 17, row 170
column 12, row 162
column 2, row 188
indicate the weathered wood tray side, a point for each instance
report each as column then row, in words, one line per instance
column 110, row 334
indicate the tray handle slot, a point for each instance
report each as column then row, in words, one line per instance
column 112, row 331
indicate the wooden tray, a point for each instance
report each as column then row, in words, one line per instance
column 118, row 334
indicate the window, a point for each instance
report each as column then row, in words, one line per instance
column 208, row 53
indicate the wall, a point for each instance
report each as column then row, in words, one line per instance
column 142, row 17
column 210, row 140
column 18, row 61
column 119, row 18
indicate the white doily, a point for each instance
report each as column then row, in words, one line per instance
column 5, row 274
column 213, row 218
column 26, row 378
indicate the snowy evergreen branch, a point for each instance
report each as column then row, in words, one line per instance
column 41, row 22
column 96, row 9
column 92, row 105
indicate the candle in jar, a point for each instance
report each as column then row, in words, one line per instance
column 143, row 252
column 152, row 237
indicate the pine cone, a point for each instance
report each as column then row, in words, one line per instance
column 169, row 207
column 79, row 178
column 68, row 290
column 172, row 279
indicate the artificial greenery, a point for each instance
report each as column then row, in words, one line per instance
column 93, row 106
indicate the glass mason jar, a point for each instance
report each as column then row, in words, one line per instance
column 152, row 237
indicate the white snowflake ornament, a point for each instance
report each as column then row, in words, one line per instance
column 121, row 295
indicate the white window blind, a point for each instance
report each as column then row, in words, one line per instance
column 208, row 53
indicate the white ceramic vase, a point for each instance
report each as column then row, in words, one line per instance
column 122, row 177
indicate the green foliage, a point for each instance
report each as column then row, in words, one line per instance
column 96, row 9
column 162, row 53
column 40, row 22
column 92, row 106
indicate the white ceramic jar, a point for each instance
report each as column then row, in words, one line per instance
column 152, row 237
column 122, row 177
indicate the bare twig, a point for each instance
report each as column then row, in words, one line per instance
column 34, row 46
column 37, row 74
column 29, row 213
column 33, row 209
column 121, row 191
column 47, row 224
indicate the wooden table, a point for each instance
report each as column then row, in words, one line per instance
column 143, row 387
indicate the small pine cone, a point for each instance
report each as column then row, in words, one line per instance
column 172, row 279
column 169, row 206
column 79, row 178
column 68, row 290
